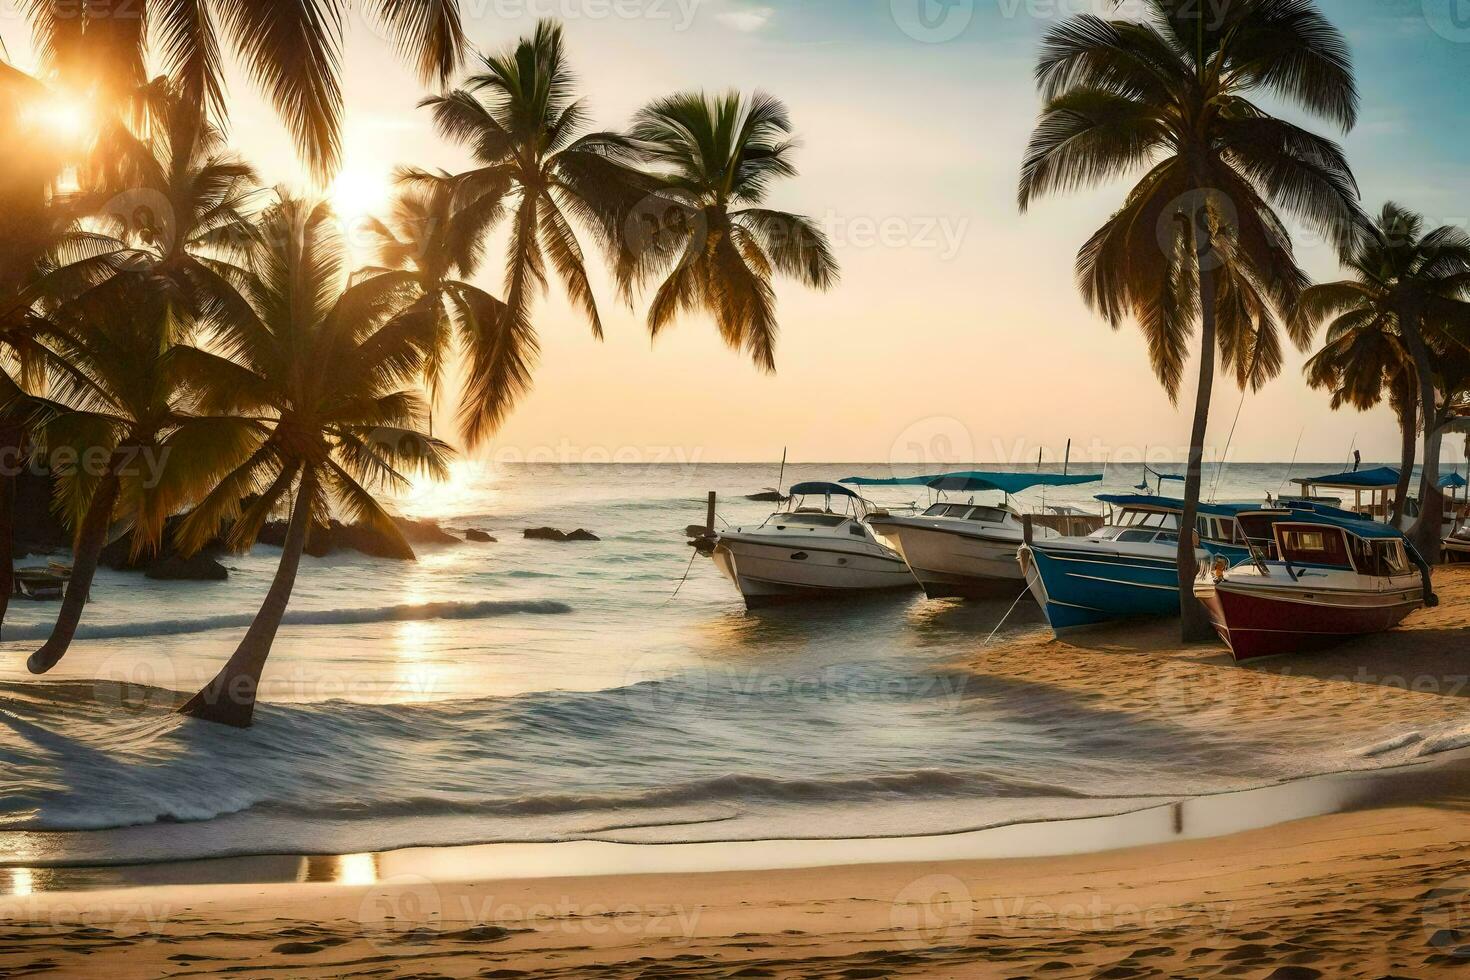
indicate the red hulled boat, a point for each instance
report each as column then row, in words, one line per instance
column 1318, row 577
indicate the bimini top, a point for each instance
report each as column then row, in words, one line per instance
column 1352, row 523
column 1380, row 478
column 1152, row 502
column 969, row 482
column 821, row 490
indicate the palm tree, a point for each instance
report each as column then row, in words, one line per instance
column 291, row 50
column 1198, row 239
column 1362, row 362
column 521, row 119
column 45, row 256
column 1418, row 282
column 123, row 439
column 717, row 157
column 437, row 232
column 323, row 365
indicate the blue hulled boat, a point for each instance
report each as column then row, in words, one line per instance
column 1129, row 568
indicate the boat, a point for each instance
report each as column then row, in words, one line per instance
column 1318, row 576
column 1130, row 567
column 964, row 548
column 808, row 552
column 42, row 584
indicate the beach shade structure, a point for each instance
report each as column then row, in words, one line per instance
column 1378, row 484
column 976, row 481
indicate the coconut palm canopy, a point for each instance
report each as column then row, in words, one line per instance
column 706, row 232
column 291, row 51
column 1174, row 98
column 520, row 116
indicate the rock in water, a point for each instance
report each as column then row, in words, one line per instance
column 200, row 568
column 552, row 534
column 424, row 531
column 476, row 535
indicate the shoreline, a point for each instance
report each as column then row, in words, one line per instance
column 1152, row 822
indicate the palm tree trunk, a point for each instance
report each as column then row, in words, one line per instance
column 10, row 439
column 90, row 540
column 1409, row 430
column 1427, row 532
column 229, row 699
column 1194, row 622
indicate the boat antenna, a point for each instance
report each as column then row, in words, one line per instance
column 1067, row 460
column 1292, row 465
column 1220, row 470
column 781, row 477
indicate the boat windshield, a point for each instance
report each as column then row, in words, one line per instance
column 1324, row 547
column 968, row 512
column 812, row 520
column 1382, row 558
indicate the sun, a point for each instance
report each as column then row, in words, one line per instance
column 357, row 193
column 64, row 118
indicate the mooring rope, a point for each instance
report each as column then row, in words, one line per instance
column 1007, row 616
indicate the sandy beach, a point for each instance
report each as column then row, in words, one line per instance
column 1382, row 892
column 1378, row 888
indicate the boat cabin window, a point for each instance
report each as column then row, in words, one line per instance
column 1221, row 529
column 1149, row 518
column 1137, row 535
column 1314, row 546
column 992, row 515
column 1384, row 558
column 857, row 531
column 812, row 520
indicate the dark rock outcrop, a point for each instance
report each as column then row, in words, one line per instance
column 199, row 568
column 552, row 534
column 478, row 536
column 424, row 531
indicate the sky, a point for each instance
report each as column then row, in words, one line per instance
column 957, row 333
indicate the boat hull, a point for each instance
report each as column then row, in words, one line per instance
column 770, row 574
column 953, row 565
column 1256, row 621
column 1084, row 587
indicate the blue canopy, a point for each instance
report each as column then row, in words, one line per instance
column 970, row 482
column 1353, row 523
column 1379, row 478
column 821, row 490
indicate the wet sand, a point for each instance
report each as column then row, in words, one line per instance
column 1380, row 887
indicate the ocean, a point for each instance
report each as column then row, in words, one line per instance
column 535, row 691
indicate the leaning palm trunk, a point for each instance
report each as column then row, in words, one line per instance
column 10, row 446
column 90, row 541
column 1409, row 430
column 1194, row 624
column 229, row 699
column 1427, row 532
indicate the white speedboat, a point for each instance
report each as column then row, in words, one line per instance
column 965, row 549
column 960, row 550
column 806, row 551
